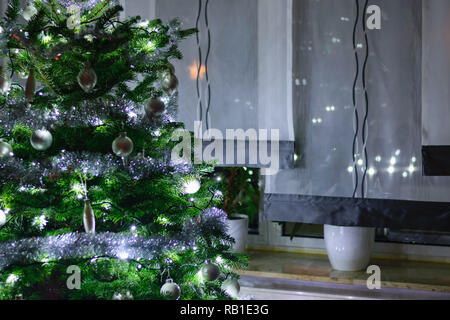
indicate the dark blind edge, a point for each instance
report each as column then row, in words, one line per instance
column 378, row 213
column 436, row 161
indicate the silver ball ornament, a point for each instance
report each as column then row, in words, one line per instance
column 74, row 20
column 41, row 140
column 87, row 78
column 123, row 146
column 210, row 271
column 169, row 82
column 154, row 107
column 5, row 149
column 170, row 290
column 231, row 287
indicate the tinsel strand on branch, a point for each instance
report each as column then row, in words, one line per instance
column 121, row 246
column 95, row 165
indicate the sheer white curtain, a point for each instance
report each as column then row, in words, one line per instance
column 248, row 64
column 324, row 71
column 436, row 73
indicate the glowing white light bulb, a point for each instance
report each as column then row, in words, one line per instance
column 378, row 158
column 144, row 24
column 411, row 169
column 372, row 171
column 219, row 260
column 46, row 39
column 191, row 186
column 350, row 169
column 393, row 161
column 405, row 174
column 391, row 169
column 40, row 222
column 360, row 162
column 123, row 255
column 150, row 46
column 12, row 278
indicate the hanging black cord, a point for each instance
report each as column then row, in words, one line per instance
column 364, row 129
column 199, row 59
column 356, row 117
column 206, row 65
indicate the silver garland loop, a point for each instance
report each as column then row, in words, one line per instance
column 120, row 246
column 90, row 164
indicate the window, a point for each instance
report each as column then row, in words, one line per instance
column 259, row 68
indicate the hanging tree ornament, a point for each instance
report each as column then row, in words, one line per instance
column 169, row 82
column 122, row 146
column 87, row 78
column 210, row 271
column 170, row 290
column 5, row 149
column 41, row 140
column 154, row 107
column 231, row 287
column 74, row 21
column 30, row 87
column 191, row 186
column 29, row 11
column 88, row 218
column 5, row 80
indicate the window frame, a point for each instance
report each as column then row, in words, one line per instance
column 270, row 234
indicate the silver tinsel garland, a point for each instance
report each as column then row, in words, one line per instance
column 88, row 164
column 15, row 112
column 83, row 4
column 120, row 246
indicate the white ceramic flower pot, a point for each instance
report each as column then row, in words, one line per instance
column 238, row 230
column 349, row 248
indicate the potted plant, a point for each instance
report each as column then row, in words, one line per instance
column 349, row 248
column 240, row 201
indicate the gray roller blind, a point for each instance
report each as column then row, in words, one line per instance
column 324, row 114
column 436, row 73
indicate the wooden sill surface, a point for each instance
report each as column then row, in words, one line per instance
column 398, row 274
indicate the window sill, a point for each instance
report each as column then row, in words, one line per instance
column 290, row 276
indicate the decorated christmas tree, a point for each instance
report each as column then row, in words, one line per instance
column 92, row 206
